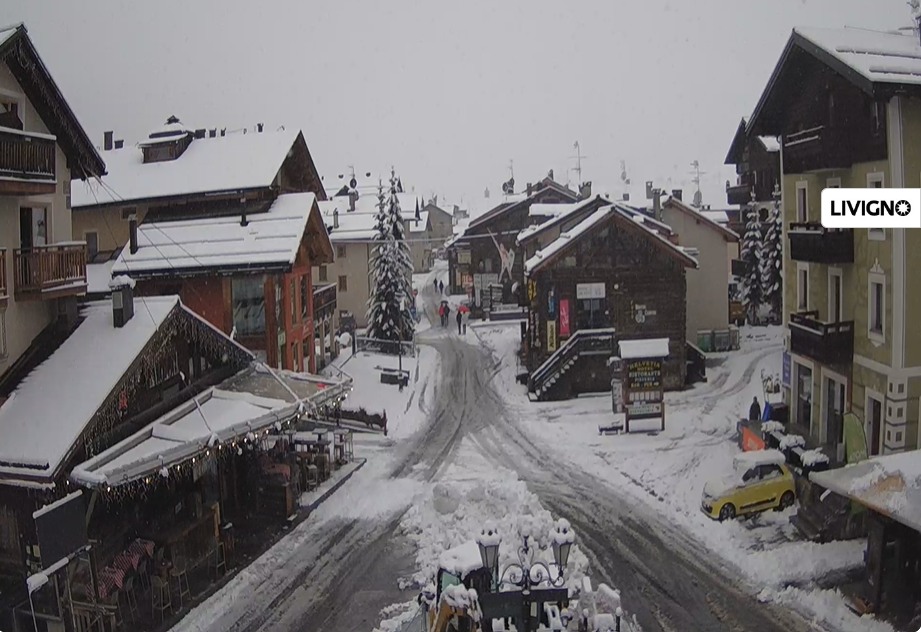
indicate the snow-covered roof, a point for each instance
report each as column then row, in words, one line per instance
column 706, row 219
column 558, row 213
column 654, row 229
column 352, row 226
column 37, row 431
column 224, row 163
column 212, row 418
column 719, row 217
column 890, row 485
column 167, row 132
column 8, row 31
column 462, row 559
column 98, row 276
column 771, row 143
column 270, row 239
column 648, row 348
column 417, row 226
column 881, row 57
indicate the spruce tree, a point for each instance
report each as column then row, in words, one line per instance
column 401, row 253
column 384, row 302
column 772, row 262
column 751, row 255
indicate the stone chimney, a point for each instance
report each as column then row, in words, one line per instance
column 530, row 186
column 107, row 140
column 133, row 234
column 259, row 127
column 353, row 197
column 119, row 144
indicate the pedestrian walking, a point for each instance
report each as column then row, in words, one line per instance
column 441, row 314
column 441, row 287
column 435, row 284
column 460, row 318
column 447, row 315
column 466, row 317
column 754, row 412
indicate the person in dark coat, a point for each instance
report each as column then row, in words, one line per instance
column 441, row 287
column 435, row 284
column 754, row 412
column 447, row 315
column 459, row 319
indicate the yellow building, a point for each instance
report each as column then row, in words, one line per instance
column 847, row 105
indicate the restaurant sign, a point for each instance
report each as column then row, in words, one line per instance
column 551, row 335
column 564, row 318
column 644, row 375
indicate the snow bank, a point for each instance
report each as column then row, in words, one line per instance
column 829, row 608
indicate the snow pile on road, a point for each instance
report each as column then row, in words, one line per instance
column 829, row 608
column 455, row 512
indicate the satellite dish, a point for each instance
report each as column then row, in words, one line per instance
column 698, row 198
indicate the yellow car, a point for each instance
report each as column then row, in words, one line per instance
column 760, row 481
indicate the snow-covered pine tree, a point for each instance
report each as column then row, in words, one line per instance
column 402, row 253
column 750, row 255
column 772, row 262
column 385, row 320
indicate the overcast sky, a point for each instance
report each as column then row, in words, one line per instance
column 446, row 92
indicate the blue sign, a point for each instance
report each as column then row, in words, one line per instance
column 787, row 372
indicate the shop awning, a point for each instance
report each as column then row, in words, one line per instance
column 889, row 485
column 209, row 420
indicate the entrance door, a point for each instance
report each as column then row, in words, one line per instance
column 804, row 397
column 834, row 412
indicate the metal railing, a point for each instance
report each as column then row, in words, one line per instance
column 389, row 347
column 582, row 342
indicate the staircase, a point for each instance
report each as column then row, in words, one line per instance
column 545, row 382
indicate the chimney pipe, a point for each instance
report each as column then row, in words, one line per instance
column 352, row 197
column 107, row 140
column 529, row 189
column 133, row 235
column 677, row 194
column 259, row 127
column 213, row 133
column 585, row 191
column 224, row 132
column 657, row 204
column 335, row 218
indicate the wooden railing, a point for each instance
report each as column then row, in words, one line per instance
column 27, row 156
column 49, row 268
column 4, row 292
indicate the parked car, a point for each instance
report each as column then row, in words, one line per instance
column 760, row 480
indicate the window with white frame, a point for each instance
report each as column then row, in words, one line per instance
column 876, row 181
column 802, row 202
column 835, row 295
column 833, row 183
column 802, row 287
column 876, row 323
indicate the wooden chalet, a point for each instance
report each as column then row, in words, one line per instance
column 107, row 382
column 757, row 163
column 233, row 268
column 616, row 275
column 487, row 254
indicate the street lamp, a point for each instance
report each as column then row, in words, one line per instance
column 526, row 572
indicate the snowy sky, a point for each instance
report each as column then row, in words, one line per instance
column 447, row 92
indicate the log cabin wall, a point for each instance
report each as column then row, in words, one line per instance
column 645, row 291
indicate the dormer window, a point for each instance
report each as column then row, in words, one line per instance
column 167, row 142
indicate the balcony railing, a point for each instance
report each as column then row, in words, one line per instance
column 4, row 292
column 813, row 242
column 828, row 343
column 26, row 156
column 324, row 299
column 739, row 194
column 49, row 271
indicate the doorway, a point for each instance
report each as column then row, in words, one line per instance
column 834, row 413
column 33, row 227
column 803, row 397
column 874, row 423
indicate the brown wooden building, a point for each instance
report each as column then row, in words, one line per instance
column 616, row 275
column 757, row 163
column 487, row 252
column 248, row 274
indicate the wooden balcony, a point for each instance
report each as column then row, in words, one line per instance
column 828, row 343
column 817, row 244
column 46, row 272
column 740, row 194
column 27, row 163
column 4, row 292
column 324, row 301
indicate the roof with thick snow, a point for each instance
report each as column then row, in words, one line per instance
column 270, row 240
column 358, row 225
column 208, row 165
column 98, row 276
column 626, row 218
column 558, row 213
column 878, row 56
column 37, row 431
column 703, row 219
column 771, row 143
column 890, row 485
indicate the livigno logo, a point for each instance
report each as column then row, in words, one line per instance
column 871, row 208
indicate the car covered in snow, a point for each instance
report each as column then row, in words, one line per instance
column 760, row 480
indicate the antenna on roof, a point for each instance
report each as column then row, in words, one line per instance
column 578, row 158
column 698, row 197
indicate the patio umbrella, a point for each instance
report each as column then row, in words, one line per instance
column 463, row 309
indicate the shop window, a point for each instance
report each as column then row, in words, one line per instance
column 340, row 252
column 248, row 295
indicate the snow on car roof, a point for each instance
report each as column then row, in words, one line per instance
column 462, row 559
column 760, row 457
